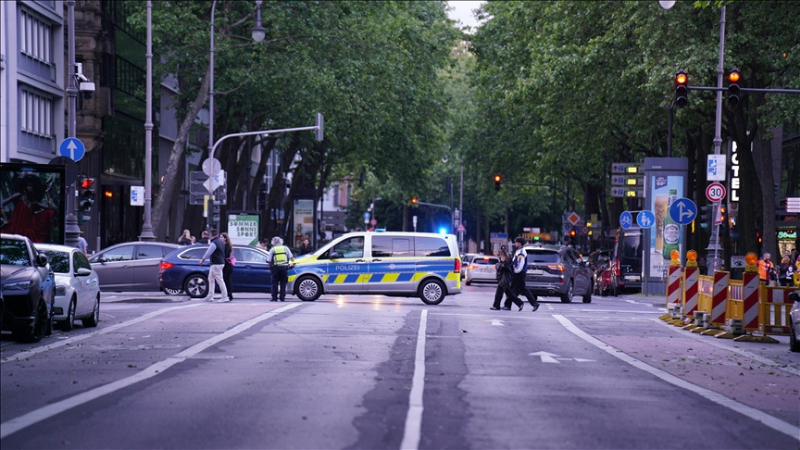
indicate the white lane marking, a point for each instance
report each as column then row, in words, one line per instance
column 753, row 413
column 413, row 427
column 38, row 415
column 546, row 357
column 28, row 353
column 498, row 323
column 762, row 360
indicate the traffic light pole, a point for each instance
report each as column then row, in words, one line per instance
column 71, row 229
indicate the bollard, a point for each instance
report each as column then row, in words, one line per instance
column 674, row 279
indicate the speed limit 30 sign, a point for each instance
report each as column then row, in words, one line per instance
column 715, row 192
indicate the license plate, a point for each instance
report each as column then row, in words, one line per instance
column 537, row 272
column 632, row 277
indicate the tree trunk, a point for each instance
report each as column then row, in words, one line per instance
column 168, row 188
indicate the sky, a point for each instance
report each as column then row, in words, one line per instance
column 462, row 12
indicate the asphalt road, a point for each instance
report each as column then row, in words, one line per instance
column 380, row 372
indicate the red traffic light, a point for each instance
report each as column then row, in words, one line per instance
column 87, row 183
column 572, row 233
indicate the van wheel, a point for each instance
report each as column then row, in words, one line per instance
column 431, row 292
column 196, row 286
column 69, row 323
column 567, row 298
column 308, row 289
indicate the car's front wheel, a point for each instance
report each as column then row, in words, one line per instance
column 567, row 297
column 431, row 292
column 69, row 323
column 196, row 286
column 308, row 289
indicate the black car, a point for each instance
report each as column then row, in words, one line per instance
column 558, row 271
column 28, row 289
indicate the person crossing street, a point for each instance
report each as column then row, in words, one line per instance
column 216, row 251
column 279, row 259
column 518, row 286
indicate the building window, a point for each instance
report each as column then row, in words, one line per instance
column 36, row 114
column 35, row 38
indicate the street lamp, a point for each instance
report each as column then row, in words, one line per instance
column 259, row 33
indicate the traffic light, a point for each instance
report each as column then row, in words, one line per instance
column 572, row 235
column 85, row 193
column 413, row 200
column 733, row 86
column 681, row 89
column 497, row 182
column 758, row 236
column 705, row 216
column 215, row 211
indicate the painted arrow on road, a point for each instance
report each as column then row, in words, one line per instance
column 498, row 322
column 548, row 357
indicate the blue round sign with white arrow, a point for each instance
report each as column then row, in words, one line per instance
column 646, row 219
column 625, row 219
column 72, row 148
column 683, row 211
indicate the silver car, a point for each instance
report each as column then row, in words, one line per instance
column 558, row 271
column 77, row 286
column 130, row 266
column 481, row 269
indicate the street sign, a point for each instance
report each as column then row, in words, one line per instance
column 573, row 218
column 715, row 192
column 198, row 199
column 683, row 211
column 137, row 195
column 626, row 168
column 619, row 191
column 461, row 228
column 498, row 238
column 72, row 148
column 625, row 219
column 627, row 180
column 211, row 166
column 715, row 168
column 792, row 204
column 584, row 230
column 737, row 262
column 646, row 219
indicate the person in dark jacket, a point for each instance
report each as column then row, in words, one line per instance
column 227, row 270
column 520, row 271
column 216, row 251
column 305, row 247
column 504, row 273
column 186, row 238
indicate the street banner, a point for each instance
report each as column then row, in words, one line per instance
column 665, row 236
column 303, row 220
column 243, row 228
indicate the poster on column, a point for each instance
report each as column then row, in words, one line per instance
column 243, row 228
column 665, row 236
column 303, row 220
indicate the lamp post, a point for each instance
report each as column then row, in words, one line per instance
column 147, row 227
column 71, row 229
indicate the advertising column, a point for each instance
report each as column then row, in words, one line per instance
column 665, row 182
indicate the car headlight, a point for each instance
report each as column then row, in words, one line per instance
column 18, row 286
column 61, row 289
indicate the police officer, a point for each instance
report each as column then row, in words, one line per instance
column 518, row 286
column 279, row 259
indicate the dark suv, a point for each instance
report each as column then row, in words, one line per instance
column 557, row 271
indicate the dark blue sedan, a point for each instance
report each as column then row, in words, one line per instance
column 180, row 271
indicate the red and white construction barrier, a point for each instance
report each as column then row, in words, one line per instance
column 674, row 285
column 719, row 298
column 750, row 285
column 690, row 286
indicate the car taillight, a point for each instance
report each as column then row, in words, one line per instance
column 166, row 265
column 558, row 267
column 457, row 267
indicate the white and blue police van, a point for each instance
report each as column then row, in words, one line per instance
column 401, row 264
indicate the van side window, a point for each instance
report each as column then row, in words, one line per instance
column 387, row 246
column 349, row 248
column 430, row 246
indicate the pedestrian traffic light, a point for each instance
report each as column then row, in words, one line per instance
column 497, row 182
column 733, row 86
column 85, row 193
column 681, row 89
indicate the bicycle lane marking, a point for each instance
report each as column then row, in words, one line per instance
column 28, row 353
column 38, row 415
column 752, row 413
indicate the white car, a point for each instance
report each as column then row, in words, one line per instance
column 482, row 269
column 77, row 286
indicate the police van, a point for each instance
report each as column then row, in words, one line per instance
column 387, row 263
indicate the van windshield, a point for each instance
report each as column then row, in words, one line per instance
column 629, row 252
